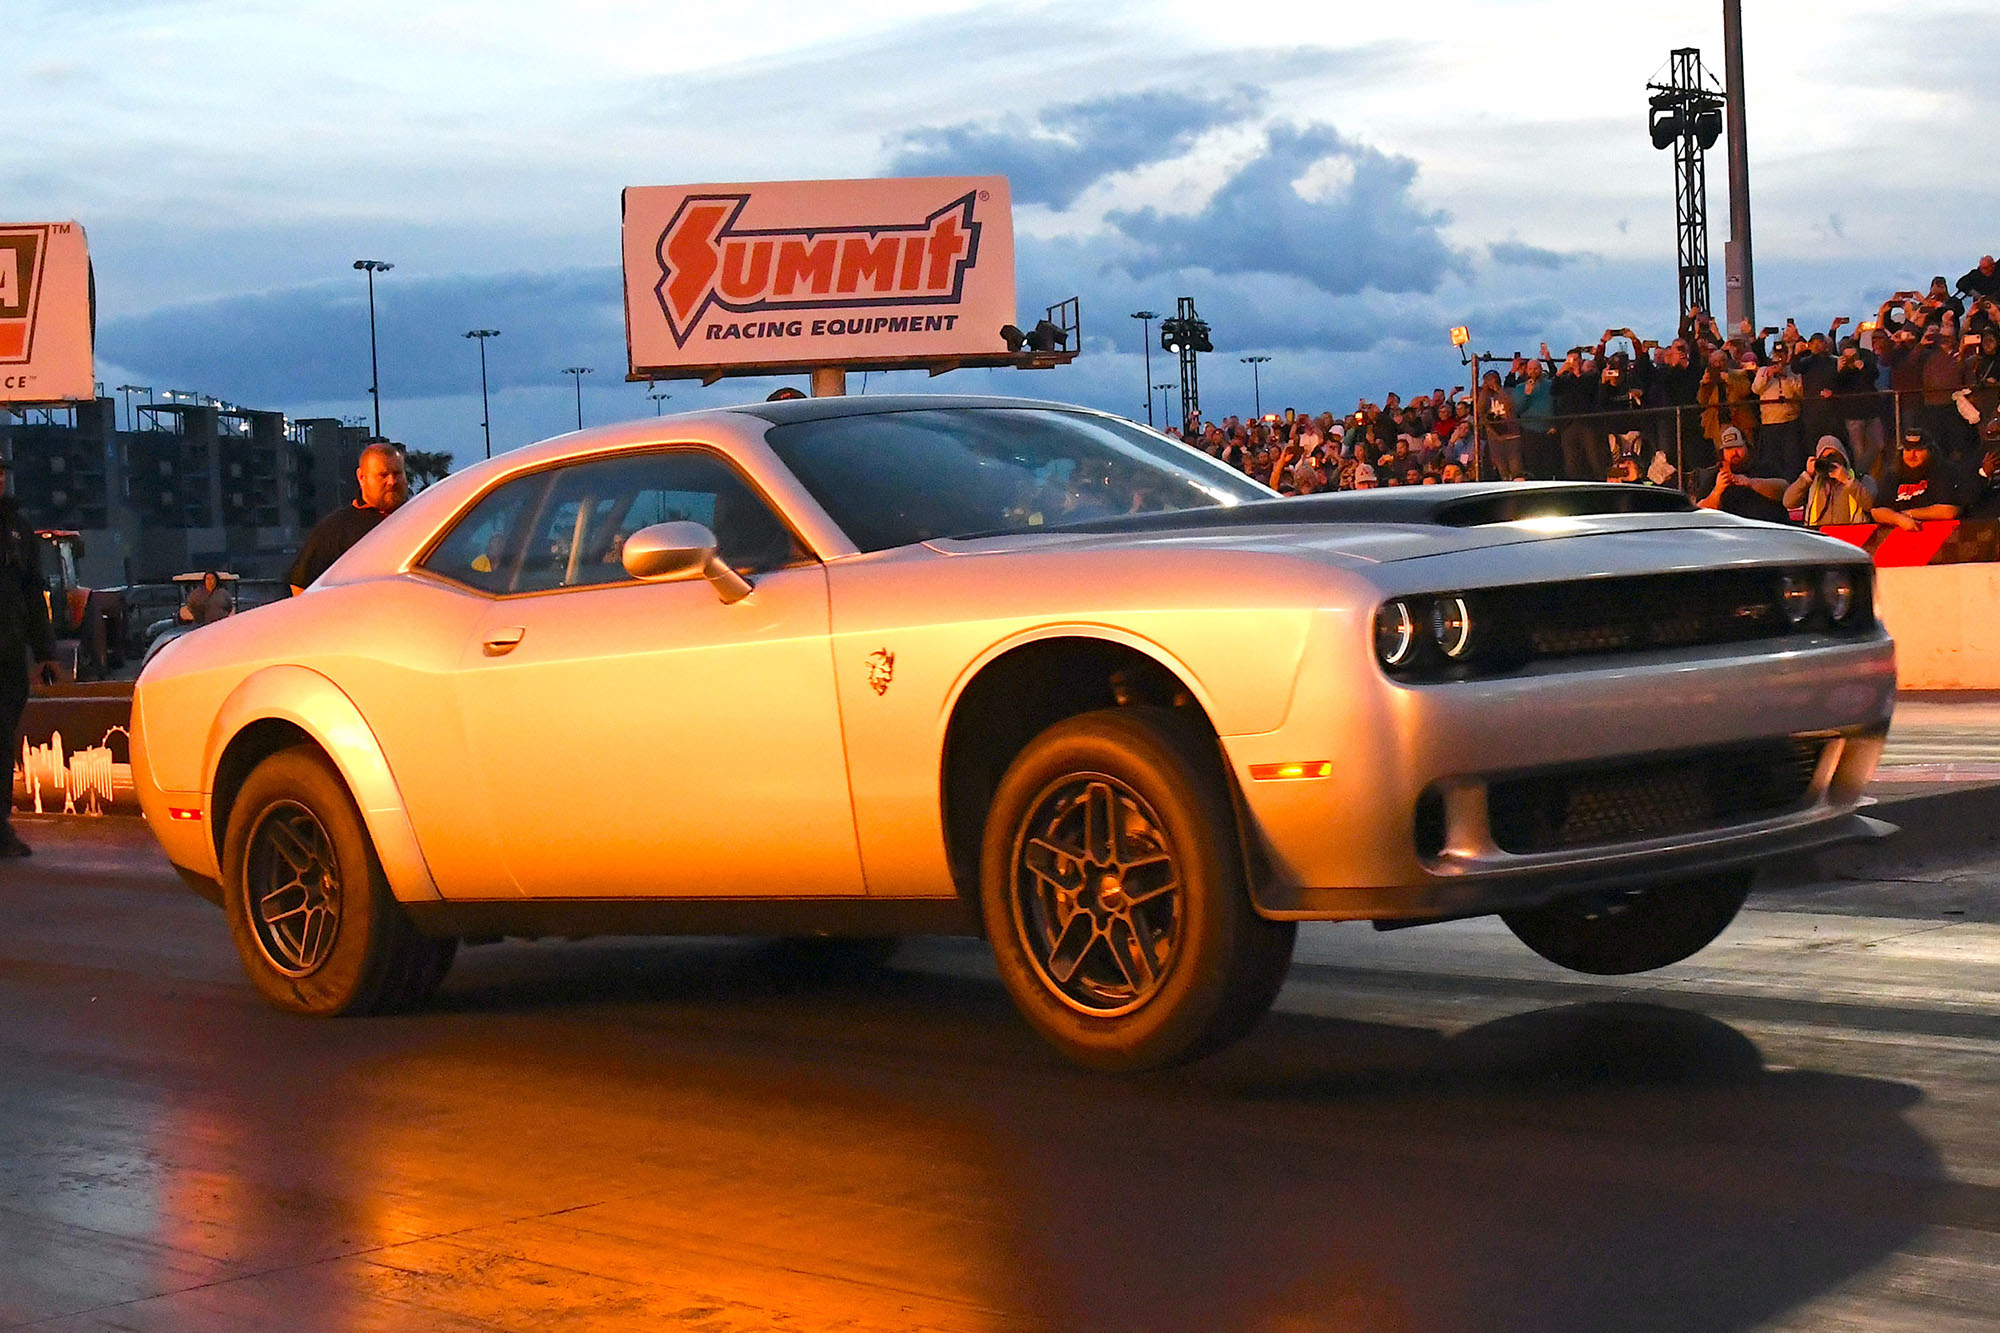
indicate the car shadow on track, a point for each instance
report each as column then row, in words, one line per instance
column 1586, row 1166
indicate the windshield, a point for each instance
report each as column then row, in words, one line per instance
column 893, row 478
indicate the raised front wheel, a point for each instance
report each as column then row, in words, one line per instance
column 1632, row 930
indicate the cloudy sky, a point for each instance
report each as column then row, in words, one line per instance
column 1335, row 184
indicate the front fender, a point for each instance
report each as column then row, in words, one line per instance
column 315, row 705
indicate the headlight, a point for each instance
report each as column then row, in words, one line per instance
column 1395, row 633
column 1836, row 589
column 1795, row 597
column 1451, row 626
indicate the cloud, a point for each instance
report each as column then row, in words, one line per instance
column 1063, row 150
column 1519, row 254
column 311, row 342
column 1364, row 232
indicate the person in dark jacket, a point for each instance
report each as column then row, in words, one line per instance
column 383, row 484
column 24, row 629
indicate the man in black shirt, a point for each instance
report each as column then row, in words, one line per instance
column 1919, row 489
column 1729, row 487
column 384, row 486
column 24, row 627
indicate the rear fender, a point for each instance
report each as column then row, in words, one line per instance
column 318, row 707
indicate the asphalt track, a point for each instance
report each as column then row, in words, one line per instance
column 1799, row 1128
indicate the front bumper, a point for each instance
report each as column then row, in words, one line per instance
column 1349, row 846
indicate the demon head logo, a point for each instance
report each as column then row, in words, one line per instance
column 881, row 670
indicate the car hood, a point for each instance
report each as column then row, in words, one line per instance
column 1367, row 529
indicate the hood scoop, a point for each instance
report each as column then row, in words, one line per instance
column 1472, row 505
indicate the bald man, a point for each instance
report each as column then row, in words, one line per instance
column 384, row 486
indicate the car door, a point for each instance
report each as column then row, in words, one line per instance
column 645, row 739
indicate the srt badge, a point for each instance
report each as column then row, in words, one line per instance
column 881, row 670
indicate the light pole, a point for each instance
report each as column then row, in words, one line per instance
column 1159, row 389
column 371, row 267
column 1256, row 384
column 658, row 398
column 579, row 372
column 485, row 412
column 131, row 423
column 1146, row 318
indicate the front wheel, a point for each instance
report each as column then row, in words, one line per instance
column 1632, row 930
column 309, row 909
column 1112, row 888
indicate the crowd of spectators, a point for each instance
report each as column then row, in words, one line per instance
column 1895, row 420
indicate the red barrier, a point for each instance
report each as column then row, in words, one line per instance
column 1937, row 542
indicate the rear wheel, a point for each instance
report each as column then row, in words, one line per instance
column 309, row 908
column 1112, row 890
column 1632, row 930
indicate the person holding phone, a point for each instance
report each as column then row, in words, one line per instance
column 1730, row 487
column 1781, row 399
column 1856, row 394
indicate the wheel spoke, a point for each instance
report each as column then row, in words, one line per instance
column 1051, row 863
column 1128, row 946
column 290, row 845
column 1100, row 823
column 1078, row 934
column 283, row 901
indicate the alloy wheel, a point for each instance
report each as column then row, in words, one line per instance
column 1098, row 899
column 293, row 890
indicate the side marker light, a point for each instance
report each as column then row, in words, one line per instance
column 1317, row 768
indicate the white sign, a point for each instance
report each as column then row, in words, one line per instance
column 788, row 275
column 45, row 317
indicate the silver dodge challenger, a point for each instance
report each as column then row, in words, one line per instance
column 852, row 669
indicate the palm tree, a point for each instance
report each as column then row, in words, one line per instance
column 425, row 466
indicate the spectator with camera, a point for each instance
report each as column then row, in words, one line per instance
column 1855, row 380
column 1780, row 397
column 1815, row 364
column 1731, row 488
column 1573, row 392
column 1919, row 489
column 1830, row 491
column 1982, row 280
column 1725, row 397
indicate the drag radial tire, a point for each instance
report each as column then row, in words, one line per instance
column 309, row 908
column 1111, row 884
column 1634, row 930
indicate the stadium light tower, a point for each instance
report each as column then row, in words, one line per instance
column 1685, row 114
column 1186, row 335
column 1145, row 318
column 579, row 372
column 371, row 267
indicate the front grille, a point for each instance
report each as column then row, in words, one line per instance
column 1629, row 615
column 1513, row 627
column 1651, row 798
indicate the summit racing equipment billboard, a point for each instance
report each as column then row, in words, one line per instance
column 45, row 314
column 790, row 275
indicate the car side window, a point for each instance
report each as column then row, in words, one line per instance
column 483, row 549
column 571, row 531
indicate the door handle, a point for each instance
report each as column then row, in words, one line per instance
column 504, row 640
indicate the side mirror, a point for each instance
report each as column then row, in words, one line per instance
column 675, row 552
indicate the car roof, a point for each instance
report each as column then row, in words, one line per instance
column 788, row 410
